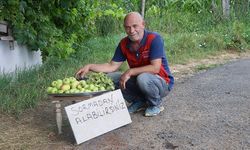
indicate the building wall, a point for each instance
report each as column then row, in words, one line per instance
column 18, row 58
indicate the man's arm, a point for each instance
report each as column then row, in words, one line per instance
column 106, row 67
column 153, row 68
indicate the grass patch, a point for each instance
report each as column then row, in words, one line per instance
column 205, row 67
column 183, row 47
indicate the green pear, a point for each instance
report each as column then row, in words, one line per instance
column 91, row 87
column 60, row 91
column 66, row 81
column 74, row 84
column 83, row 82
column 49, row 89
column 79, row 86
column 65, row 87
column 72, row 91
column 76, row 91
column 82, row 90
column 54, row 83
column 59, row 81
column 72, row 79
column 59, row 84
column 54, row 90
column 87, row 90
column 86, row 86
column 67, row 92
column 95, row 89
column 102, row 88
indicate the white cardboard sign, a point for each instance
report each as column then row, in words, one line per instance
column 96, row 116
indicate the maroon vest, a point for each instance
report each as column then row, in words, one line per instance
column 142, row 57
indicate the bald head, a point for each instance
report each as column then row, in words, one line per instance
column 134, row 26
column 133, row 15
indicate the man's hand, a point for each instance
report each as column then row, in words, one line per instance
column 81, row 73
column 124, row 78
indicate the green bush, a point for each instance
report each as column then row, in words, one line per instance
column 237, row 37
column 211, row 41
column 54, row 26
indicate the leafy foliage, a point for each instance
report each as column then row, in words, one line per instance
column 238, row 38
column 58, row 27
column 53, row 26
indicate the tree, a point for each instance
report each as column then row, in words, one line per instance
column 142, row 8
column 226, row 8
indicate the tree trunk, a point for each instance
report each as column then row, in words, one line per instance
column 142, row 8
column 226, row 8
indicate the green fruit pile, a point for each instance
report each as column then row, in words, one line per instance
column 95, row 82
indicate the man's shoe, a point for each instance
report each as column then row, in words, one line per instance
column 153, row 111
column 136, row 106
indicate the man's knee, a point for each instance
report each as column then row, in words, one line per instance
column 143, row 79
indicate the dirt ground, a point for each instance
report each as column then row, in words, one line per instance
column 36, row 128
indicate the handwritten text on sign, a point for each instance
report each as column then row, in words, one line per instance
column 98, row 115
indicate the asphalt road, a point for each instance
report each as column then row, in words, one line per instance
column 209, row 110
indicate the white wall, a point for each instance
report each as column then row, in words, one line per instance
column 19, row 58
